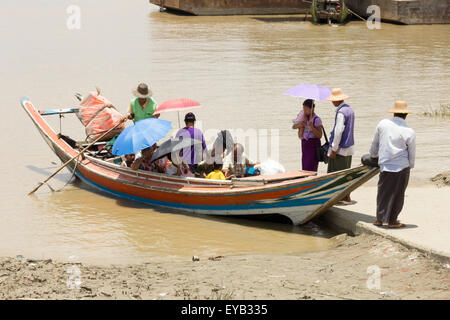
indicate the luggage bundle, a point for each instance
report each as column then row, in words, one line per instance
column 98, row 115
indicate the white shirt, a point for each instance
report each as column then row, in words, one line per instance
column 228, row 160
column 395, row 145
column 338, row 130
column 171, row 170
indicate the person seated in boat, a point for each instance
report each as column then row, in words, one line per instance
column 192, row 155
column 222, row 147
column 170, row 167
column 128, row 160
column 178, row 165
column 217, row 174
column 143, row 106
column 185, row 171
column 252, row 171
column 142, row 161
column 236, row 163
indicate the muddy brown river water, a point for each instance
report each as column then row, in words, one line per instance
column 238, row 68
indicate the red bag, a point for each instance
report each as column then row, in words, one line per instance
column 99, row 115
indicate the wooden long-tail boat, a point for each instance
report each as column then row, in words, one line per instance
column 298, row 195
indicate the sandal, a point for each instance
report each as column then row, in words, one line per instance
column 396, row 225
column 378, row 223
column 345, row 203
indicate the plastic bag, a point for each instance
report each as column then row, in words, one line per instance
column 98, row 115
column 91, row 105
column 270, row 166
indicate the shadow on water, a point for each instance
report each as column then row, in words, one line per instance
column 282, row 19
column 178, row 12
column 274, row 222
column 303, row 18
column 45, row 172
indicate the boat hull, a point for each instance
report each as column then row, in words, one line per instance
column 404, row 11
column 300, row 199
column 234, row 7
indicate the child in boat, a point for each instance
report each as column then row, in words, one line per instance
column 177, row 166
column 128, row 160
column 217, row 174
column 142, row 162
column 169, row 167
column 185, row 171
column 236, row 163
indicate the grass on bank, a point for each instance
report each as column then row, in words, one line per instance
column 442, row 111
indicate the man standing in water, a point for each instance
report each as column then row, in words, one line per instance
column 341, row 140
column 143, row 106
column 394, row 144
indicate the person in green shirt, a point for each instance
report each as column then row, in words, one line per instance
column 143, row 106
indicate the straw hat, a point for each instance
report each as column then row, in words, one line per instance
column 400, row 107
column 337, row 95
column 142, row 91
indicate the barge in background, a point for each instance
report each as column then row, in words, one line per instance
column 235, row 7
column 405, row 11
column 396, row 11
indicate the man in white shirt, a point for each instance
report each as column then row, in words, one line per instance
column 342, row 138
column 394, row 144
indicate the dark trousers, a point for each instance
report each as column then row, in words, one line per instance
column 339, row 163
column 391, row 194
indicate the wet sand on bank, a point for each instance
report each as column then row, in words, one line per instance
column 343, row 272
column 237, row 67
column 344, row 269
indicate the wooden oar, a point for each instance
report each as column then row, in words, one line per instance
column 73, row 158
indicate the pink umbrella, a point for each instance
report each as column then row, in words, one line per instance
column 177, row 105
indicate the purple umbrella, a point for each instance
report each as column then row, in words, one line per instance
column 309, row 91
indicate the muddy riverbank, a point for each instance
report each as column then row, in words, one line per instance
column 237, row 67
column 347, row 271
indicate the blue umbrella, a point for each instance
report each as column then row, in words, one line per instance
column 309, row 91
column 141, row 135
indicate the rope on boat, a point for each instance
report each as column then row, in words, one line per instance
column 354, row 13
column 68, row 181
column 75, row 157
